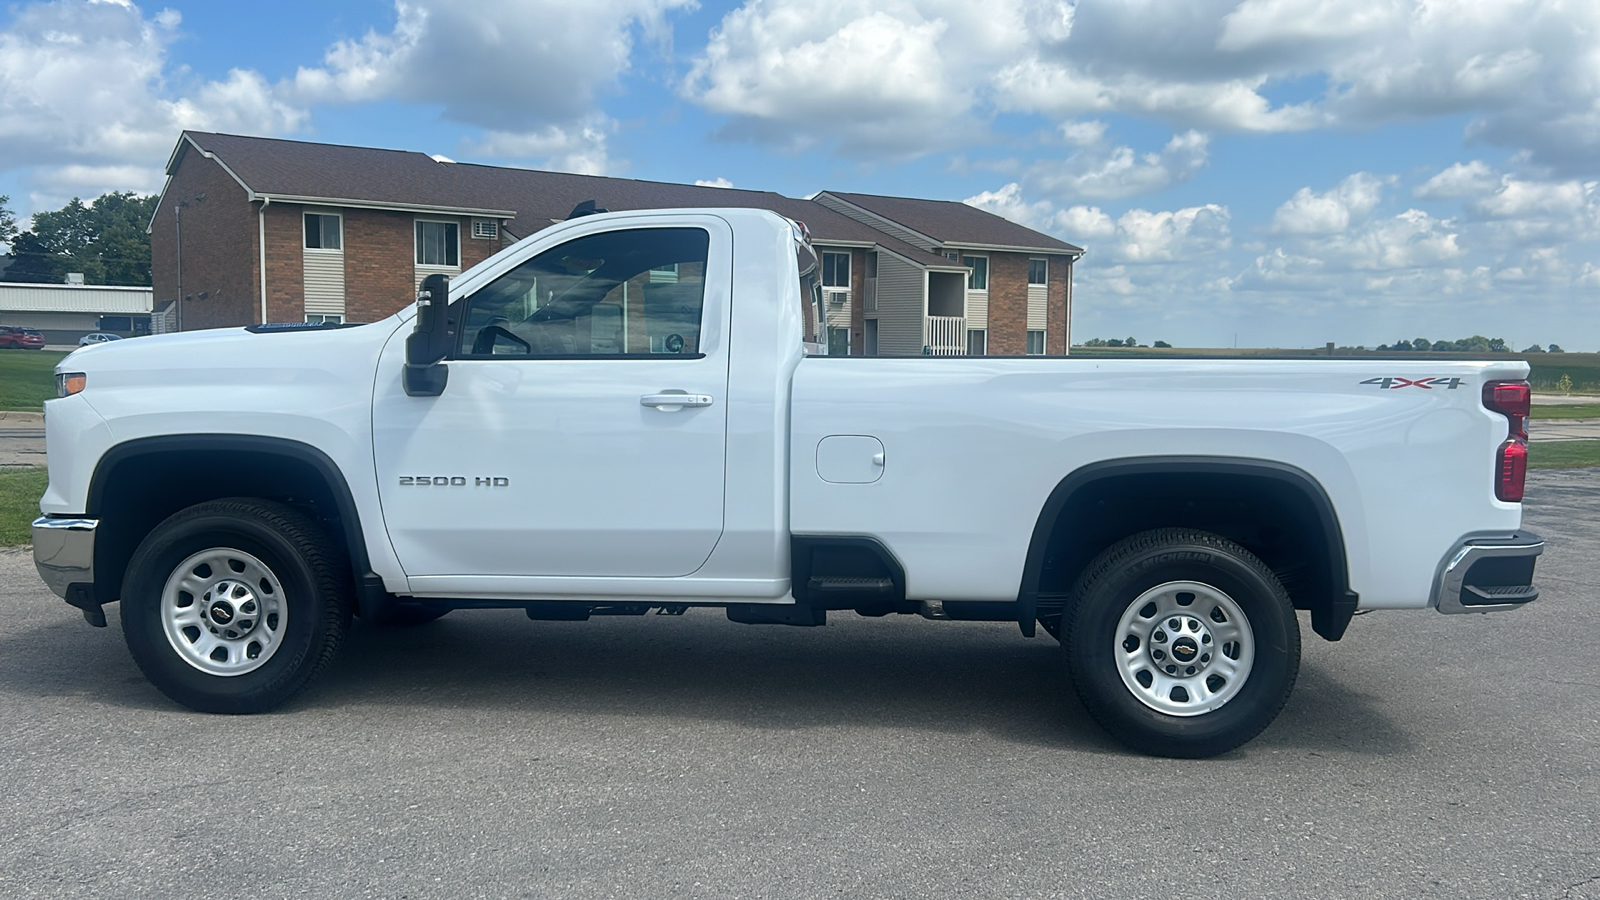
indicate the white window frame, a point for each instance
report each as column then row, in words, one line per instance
column 306, row 234
column 416, row 229
column 967, row 260
column 1046, row 264
column 1041, row 334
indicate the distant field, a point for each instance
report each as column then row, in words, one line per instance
column 1563, row 454
column 1567, row 411
column 27, row 378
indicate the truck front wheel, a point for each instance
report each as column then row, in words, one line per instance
column 233, row 606
column 1181, row 643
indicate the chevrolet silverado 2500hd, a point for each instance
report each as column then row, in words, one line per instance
column 632, row 412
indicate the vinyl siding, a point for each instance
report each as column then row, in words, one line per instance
column 977, row 309
column 900, row 306
column 1038, row 307
column 324, row 282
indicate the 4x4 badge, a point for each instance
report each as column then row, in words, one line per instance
column 1427, row 384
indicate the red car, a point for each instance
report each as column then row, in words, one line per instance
column 13, row 337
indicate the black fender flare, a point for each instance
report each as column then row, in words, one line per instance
column 1328, row 620
column 370, row 589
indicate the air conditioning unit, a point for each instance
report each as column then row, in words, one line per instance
column 837, row 298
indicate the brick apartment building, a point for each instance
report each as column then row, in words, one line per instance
column 254, row 230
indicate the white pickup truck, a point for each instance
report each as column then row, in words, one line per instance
column 632, row 412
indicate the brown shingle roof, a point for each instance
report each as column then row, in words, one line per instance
column 533, row 199
column 949, row 222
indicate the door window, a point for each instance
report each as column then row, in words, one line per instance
column 632, row 293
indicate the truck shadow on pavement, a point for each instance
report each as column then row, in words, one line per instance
column 909, row 675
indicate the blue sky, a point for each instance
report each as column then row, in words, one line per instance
column 1276, row 172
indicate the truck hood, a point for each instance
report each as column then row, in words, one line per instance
column 231, row 368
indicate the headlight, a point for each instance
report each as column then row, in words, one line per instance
column 69, row 383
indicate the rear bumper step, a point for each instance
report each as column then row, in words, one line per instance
column 1489, row 573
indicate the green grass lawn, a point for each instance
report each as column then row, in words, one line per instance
column 1563, row 454
column 27, row 378
column 1567, row 411
column 20, row 490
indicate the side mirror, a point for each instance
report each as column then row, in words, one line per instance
column 425, row 374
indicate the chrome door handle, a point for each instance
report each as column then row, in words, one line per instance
column 672, row 401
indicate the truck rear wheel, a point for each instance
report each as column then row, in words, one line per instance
column 233, row 606
column 1181, row 643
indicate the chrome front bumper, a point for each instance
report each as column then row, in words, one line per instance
column 63, row 552
column 1488, row 573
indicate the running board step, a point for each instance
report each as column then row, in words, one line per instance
column 845, row 584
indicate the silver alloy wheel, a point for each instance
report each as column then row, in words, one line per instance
column 223, row 611
column 1184, row 648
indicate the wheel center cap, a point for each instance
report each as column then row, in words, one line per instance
column 1185, row 649
column 221, row 612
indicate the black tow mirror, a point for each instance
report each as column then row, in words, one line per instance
column 426, row 347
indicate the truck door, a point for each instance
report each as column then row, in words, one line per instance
column 583, row 428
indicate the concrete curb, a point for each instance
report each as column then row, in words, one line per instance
column 21, row 417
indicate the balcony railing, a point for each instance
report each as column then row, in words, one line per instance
column 947, row 335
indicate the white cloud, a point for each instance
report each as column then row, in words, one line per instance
column 88, row 103
column 718, row 182
column 1459, row 180
column 1332, row 211
column 1139, row 236
column 504, row 65
column 1099, row 170
column 580, row 147
column 529, row 72
column 869, row 78
column 912, row 76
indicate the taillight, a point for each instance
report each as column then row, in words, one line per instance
column 1514, row 400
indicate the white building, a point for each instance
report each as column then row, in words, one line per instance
column 66, row 312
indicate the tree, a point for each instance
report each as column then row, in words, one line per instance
column 8, row 220
column 1422, row 344
column 1162, row 344
column 1497, row 345
column 1130, row 342
column 1114, row 342
column 105, row 240
column 1534, row 349
column 1556, row 348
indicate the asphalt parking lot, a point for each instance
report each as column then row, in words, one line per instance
column 486, row 755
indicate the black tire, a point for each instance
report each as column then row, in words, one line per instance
column 1111, row 645
column 303, row 578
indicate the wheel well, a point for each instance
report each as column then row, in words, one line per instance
column 139, row 484
column 1278, row 513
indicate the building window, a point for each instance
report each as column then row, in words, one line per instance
column 872, row 264
column 836, row 270
column 838, row 342
column 438, row 244
column 1035, row 343
column 977, row 342
column 978, row 279
column 870, row 326
column 664, row 274
column 487, row 229
column 1038, row 271
column 323, row 232
column 315, row 319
